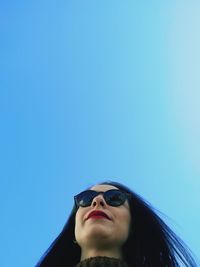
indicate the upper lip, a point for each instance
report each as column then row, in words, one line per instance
column 98, row 213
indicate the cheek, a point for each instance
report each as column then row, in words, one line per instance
column 125, row 224
column 78, row 223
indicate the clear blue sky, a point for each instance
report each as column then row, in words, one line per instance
column 96, row 90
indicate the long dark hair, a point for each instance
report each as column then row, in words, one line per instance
column 151, row 242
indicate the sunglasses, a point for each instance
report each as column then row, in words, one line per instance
column 113, row 197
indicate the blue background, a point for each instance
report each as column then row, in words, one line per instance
column 90, row 91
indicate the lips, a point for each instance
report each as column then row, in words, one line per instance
column 98, row 214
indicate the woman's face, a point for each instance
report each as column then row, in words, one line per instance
column 97, row 231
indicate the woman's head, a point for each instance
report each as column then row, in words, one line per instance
column 103, row 220
column 141, row 236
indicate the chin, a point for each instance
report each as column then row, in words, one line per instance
column 97, row 233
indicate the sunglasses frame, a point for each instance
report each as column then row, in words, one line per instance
column 96, row 193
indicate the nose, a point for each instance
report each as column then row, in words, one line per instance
column 98, row 201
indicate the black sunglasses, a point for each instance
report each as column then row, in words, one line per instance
column 113, row 197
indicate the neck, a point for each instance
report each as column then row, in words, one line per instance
column 114, row 253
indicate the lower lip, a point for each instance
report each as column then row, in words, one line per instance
column 98, row 217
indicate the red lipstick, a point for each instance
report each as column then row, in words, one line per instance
column 98, row 214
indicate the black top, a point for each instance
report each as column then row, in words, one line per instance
column 100, row 261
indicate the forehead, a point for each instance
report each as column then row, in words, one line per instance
column 103, row 187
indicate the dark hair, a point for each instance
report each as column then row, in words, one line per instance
column 151, row 242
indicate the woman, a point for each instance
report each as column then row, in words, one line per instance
column 111, row 226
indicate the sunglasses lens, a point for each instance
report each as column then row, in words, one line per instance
column 115, row 197
column 84, row 199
